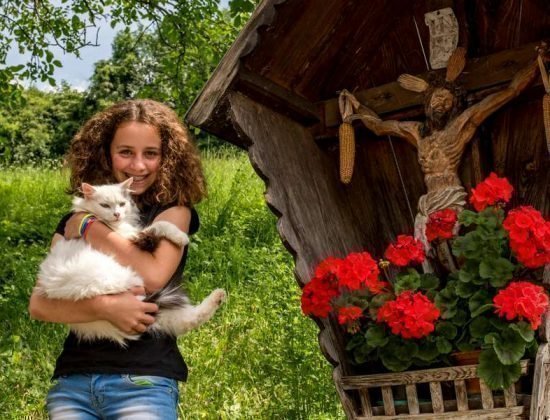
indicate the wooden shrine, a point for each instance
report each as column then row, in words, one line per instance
column 275, row 94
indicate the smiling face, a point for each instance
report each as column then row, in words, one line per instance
column 136, row 152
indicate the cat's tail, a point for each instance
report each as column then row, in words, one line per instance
column 169, row 297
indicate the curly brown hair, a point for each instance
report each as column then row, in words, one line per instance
column 180, row 178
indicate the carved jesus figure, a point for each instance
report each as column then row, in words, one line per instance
column 441, row 139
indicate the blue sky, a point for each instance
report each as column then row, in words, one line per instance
column 77, row 71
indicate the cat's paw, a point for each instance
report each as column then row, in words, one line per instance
column 218, row 296
column 168, row 231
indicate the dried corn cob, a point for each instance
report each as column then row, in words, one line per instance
column 346, row 137
column 546, row 117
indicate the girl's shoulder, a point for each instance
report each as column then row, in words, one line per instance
column 173, row 213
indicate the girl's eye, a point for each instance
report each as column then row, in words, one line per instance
column 125, row 152
column 104, row 205
column 151, row 154
column 122, row 204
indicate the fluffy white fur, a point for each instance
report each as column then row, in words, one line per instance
column 73, row 270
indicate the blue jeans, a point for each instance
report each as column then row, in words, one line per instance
column 113, row 397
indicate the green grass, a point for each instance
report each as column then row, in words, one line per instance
column 258, row 358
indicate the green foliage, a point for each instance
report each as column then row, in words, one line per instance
column 258, row 358
column 39, row 132
column 169, row 59
column 410, row 280
column 169, row 62
column 496, row 374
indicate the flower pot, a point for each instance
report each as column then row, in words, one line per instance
column 466, row 358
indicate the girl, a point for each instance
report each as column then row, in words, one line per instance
column 145, row 140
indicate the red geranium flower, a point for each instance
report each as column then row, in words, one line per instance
column 328, row 266
column 359, row 270
column 409, row 315
column 441, row 224
column 348, row 314
column 318, row 294
column 529, row 236
column 491, row 191
column 522, row 300
column 405, row 251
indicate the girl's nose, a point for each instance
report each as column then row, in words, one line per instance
column 137, row 163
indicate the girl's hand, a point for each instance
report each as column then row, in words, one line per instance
column 73, row 225
column 126, row 311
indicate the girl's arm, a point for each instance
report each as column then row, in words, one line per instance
column 123, row 310
column 155, row 268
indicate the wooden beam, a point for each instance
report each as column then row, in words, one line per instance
column 277, row 97
column 480, row 73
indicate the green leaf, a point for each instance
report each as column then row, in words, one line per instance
column 480, row 327
column 465, row 346
column 467, row 217
column 494, row 373
column 407, row 281
column 465, row 290
column 509, row 346
column 498, row 271
column 470, row 246
column 406, row 350
column 427, row 351
column 481, row 309
column 491, row 338
column 443, row 345
column 499, row 323
column 465, row 276
column 524, row 330
column 446, row 329
column 362, row 353
column 478, row 301
column 446, row 301
column 355, row 341
column 460, row 317
column 376, row 336
column 393, row 363
column 429, row 281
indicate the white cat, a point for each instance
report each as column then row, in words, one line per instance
column 74, row 270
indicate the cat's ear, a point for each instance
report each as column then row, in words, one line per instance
column 126, row 184
column 87, row 189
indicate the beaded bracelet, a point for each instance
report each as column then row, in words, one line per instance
column 85, row 224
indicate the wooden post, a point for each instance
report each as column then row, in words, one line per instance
column 387, row 397
column 437, row 397
column 366, row 406
column 412, row 399
column 486, row 395
column 461, row 395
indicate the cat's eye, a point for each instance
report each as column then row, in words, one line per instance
column 122, row 204
column 104, row 205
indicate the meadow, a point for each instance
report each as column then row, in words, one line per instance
column 258, row 358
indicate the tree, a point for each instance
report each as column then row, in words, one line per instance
column 40, row 131
column 38, row 29
column 165, row 65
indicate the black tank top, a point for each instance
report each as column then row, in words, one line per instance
column 158, row 356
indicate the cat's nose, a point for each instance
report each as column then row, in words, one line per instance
column 117, row 215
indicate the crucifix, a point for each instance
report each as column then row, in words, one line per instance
column 441, row 139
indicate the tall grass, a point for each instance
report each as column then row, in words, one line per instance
column 258, row 358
